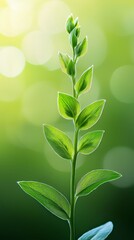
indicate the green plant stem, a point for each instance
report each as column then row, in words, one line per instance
column 72, row 188
column 73, row 81
column 73, row 168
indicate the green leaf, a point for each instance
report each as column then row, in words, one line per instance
column 99, row 233
column 81, row 48
column 90, row 115
column 70, row 24
column 68, row 106
column 71, row 68
column 73, row 37
column 90, row 141
column 48, row 196
column 94, row 179
column 84, row 83
column 64, row 60
column 59, row 141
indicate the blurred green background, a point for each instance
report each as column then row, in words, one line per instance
column 31, row 34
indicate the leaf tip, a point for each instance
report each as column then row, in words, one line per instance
column 20, row 183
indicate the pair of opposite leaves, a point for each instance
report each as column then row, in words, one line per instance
column 69, row 108
column 49, row 197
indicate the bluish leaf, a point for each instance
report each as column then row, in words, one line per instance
column 99, row 233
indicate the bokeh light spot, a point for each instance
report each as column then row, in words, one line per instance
column 12, row 61
column 39, row 103
column 21, row 4
column 14, row 21
column 96, row 48
column 128, row 22
column 60, row 44
column 37, row 47
column 122, row 84
column 52, row 16
column 121, row 159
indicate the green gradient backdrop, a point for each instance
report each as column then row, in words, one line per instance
column 28, row 100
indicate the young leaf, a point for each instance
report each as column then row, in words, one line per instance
column 90, row 141
column 70, row 24
column 94, row 179
column 64, row 61
column 71, row 68
column 90, row 115
column 81, row 48
column 84, row 83
column 68, row 106
column 48, row 196
column 99, row 233
column 59, row 141
column 73, row 37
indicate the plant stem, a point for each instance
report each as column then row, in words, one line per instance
column 72, row 188
column 73, row 168
column 73, row 81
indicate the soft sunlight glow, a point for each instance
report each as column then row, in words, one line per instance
column 60, row 44
column 12, row 61
column 52, row 16
column 21, row 4
column 10, row 89
column 39, row 103
column 14, row 21
column 128, row 22
column 37, row 47
column 121, row 159
column 97, row 46
column 122, row 84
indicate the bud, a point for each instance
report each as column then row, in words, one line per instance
column 64, row 60
column 73, row 37
column 70, row 24
column 71, row 68
column 81, row 48
column 78, row 32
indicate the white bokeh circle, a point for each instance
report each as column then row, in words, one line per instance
column 37, row 47
column 121, row 159
column 52, row 16
column 97, row 47
column 12, row 61
column 122, row 84
column 14, row 22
